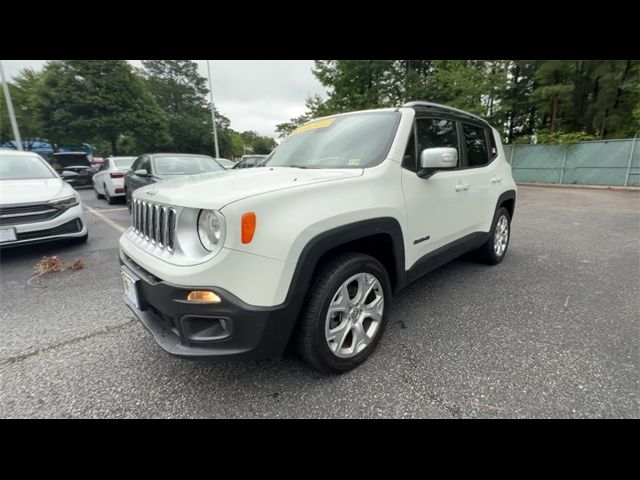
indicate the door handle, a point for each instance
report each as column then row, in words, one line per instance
column 496, row 179
column 462, row 186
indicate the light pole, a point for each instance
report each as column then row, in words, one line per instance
column 213, row 112
column 12, row 114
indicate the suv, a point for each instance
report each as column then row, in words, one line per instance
column 309, row 250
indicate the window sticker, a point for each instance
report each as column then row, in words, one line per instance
column 314, row 125
column 354, row 161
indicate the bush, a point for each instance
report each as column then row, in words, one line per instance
column 560, row 138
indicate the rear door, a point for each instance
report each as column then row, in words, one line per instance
column 483, row 175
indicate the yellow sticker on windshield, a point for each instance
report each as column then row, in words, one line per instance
column 354, row 161
column 314, row 125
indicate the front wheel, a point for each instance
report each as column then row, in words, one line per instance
column 495, row 248
column 98, row 195
column 345, row 314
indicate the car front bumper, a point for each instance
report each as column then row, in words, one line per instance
column 68, row 224
column 225, row 330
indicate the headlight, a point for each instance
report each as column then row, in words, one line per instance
column 211, row 229
column 64, row 203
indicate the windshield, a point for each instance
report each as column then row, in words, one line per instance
column 175, row 165
column 124, row 162
column 348, row 141
column 20, row 167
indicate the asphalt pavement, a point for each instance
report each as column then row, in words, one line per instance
column 553, row 331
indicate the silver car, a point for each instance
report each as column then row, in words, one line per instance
column 36, row 205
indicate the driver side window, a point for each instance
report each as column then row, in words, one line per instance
column 434, row 132
column 146, row 164
column 431, row 133
column 136, row 165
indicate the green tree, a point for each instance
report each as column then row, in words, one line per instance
column 84, row 100
column 182, row 93
column 22, row 91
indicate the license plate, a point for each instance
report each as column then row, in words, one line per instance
column 7, row 234
column 130, row 288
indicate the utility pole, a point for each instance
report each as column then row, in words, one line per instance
column 12, row 114
column 213, row 112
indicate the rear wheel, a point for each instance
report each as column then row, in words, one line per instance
column 495, row 248
column 110, row 200
column 345, row 314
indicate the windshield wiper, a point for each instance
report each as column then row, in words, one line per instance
column 298, row 166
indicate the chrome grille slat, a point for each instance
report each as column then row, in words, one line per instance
column 155, row 223
column 149, row 227
column 165, row 227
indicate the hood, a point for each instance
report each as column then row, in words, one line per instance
column 215, row 190
column 33, row 190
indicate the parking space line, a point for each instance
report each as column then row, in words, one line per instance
column 120, row 228
column 112, row 209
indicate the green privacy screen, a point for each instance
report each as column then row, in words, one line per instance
column 607, row 162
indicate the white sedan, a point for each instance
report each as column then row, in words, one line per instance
column 36, row 205
column 108, row 182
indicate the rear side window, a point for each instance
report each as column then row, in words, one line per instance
column 475, row 141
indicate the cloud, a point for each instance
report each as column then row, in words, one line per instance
column 254, row 94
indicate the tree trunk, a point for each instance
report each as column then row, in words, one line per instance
column 624, row 77
column 577, row 95
column 554, row 108
column 113, row 146
column 602, row 127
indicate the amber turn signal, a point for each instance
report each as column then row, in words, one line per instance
column 248, row 226
column 203, row 296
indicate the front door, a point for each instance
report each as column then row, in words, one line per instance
column 437, row 207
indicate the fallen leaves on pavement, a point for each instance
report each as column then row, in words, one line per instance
column 53, row 264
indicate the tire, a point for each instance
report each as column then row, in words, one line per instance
column 98, row 195
column 349, row 346
column 110, row 200
column 490, row 253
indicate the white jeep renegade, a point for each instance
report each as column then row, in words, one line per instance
column 308, row 250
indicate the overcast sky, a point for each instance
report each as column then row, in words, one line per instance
column 253, row 94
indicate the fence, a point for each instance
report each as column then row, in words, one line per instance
column 606, row 162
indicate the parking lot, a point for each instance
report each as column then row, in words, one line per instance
column 553, row 331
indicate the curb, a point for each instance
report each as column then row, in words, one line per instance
column 584, row 187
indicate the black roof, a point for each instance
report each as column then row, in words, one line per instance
column 422, row 106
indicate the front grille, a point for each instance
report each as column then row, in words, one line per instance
column 14, row 215
column 155, row 223
column 73, row 226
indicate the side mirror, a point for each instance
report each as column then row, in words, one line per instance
column 438, row 158
column 142, row 172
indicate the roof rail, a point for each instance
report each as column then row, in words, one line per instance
column 420, row 103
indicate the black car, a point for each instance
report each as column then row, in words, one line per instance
column 74, row 168
column 154, row 167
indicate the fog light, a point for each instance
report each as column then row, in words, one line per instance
column 203, row 296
